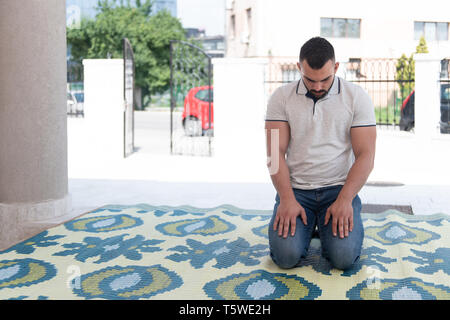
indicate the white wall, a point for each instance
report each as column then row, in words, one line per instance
column 239, row 109
column 104, row 108
column 427, row 95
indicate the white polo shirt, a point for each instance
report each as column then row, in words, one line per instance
column 320, row 152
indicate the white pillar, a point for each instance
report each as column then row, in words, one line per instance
column 239, row 110
column 33, row 120
column 104, row 108
column 427, row 95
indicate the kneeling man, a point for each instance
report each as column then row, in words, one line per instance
column 321, row 134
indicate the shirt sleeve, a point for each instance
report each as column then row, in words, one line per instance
column 276, row 107
column 364, row 111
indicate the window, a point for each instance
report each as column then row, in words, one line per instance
column 418, row 30
column 326, row 27
column 340, row 27
column 353, row 28
column 203, row 95
column 209, row 45
column 432, row 31
column 213, row 44
column 445, row 93
column 249, row 21
column 442, row 31
column 233, row 26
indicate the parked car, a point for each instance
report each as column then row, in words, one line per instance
column 407, row 111
column 71, row 103
column 75, row 103
column 445, row 108
column 80, row 103
column 195, row 115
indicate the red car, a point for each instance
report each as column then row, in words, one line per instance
column 195, row 115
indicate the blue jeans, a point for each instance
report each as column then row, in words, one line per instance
column 341, row 253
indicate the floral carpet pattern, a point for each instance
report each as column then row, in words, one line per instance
column 160, row 252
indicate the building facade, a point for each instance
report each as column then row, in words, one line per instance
column 357, row 29
column 368, row 38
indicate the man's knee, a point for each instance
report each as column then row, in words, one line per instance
column 286, row 259
column 286, row 253
column 344, row 258
column 343, row 262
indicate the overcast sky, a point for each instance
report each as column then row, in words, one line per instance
column 203, row 14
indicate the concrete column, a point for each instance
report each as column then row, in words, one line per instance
column 427, row 95
column 239, row 110
column 33, row 121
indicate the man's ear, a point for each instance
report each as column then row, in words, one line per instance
column 336, row 67
column 299, row 66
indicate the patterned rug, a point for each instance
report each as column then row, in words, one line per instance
column 148, row 252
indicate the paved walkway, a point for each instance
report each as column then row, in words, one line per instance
column 408, row 171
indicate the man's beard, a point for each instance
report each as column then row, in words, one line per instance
column 319, row 94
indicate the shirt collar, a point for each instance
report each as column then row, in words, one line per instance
column 335, row 87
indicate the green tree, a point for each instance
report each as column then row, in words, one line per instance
column 422, row 46
column 405, row 75
column 149, row 35
column 405, row 69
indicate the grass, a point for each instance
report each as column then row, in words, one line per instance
column 384, row 115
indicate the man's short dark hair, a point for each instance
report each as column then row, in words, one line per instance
column 317, row 51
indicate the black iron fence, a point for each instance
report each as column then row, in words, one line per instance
column 191, row 90
column 75, row 91
column 387, row 81
column 74, row 71
column 75, row 100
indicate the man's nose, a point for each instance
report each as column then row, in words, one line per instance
column 317, row 86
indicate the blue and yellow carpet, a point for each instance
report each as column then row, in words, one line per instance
column 160, row 252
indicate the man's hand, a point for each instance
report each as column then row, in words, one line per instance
column 287, row 214
column 341, row 212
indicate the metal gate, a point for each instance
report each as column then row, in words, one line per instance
column 191, row 100
column 387, row 83
column 75, row 89
column 128, row 91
